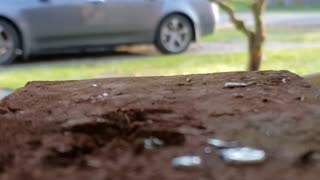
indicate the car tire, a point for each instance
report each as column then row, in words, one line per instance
column 9, row 43
column 174, row 35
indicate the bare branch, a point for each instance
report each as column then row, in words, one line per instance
column 256, row 37
column 239, row 24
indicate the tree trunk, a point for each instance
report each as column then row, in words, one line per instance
column 255, row 43
column 255, row 37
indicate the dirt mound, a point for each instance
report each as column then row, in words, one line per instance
column 132, row 128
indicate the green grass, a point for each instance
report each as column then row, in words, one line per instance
column 294, row 9
column 245, row 7
column 310, row 35
column 301, row 61
column 225, row 35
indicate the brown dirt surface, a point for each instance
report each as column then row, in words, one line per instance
column 70, row 131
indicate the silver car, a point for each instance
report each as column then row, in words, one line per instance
column 29, row 27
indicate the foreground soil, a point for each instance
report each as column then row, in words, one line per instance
column 95, row 129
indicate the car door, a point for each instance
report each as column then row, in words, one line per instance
column 126, row 21
column 56, row 23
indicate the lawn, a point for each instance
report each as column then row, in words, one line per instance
column 301, row 61
column 245, row 7
column 307, row 35
column 294, row 9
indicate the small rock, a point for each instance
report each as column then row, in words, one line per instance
column 118, row 93
column 189, row 79
column 73, row 123
column 238, row 95
column 302, row 98
column 62, row 148
column 103, row 95
column 284, row 80
column 237, row 84
column 207, row 150
column 186, row 162
column 310, row 157
column 243, row 155
column 152, row 143
column 222, row 144
column 94, row 163
column 94, row 85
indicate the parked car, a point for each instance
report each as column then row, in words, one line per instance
column 29, row 27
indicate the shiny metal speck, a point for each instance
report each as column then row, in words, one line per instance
column 105, row 94
column 222, row 144
column 237, row 84
column 243, row 155
column 187, row 162
column 152, row 143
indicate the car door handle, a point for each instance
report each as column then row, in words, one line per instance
column 97, row 1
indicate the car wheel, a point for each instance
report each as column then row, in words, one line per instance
column 174, row 34
column 9, row 43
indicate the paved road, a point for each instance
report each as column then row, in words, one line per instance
column 278, row 19
column 222, row 48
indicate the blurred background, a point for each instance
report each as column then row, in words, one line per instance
column 293, row 43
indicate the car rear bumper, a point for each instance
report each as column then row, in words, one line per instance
column 208, row 19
